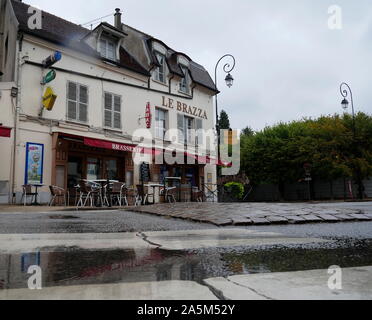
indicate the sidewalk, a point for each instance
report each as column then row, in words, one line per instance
column 47, row 209
column 245, row 214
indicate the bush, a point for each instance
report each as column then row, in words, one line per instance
column 236, row 189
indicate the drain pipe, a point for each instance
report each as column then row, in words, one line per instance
column 16, row 119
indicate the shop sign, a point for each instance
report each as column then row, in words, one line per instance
column 185, row 108
column 34, row 163
column 148, row 115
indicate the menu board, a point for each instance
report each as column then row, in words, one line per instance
column 145, row 172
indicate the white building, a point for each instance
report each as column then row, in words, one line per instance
column 104, row 82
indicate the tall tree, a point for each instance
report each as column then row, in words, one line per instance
column 248, row 131
column 224, row 122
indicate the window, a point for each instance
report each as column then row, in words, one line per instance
column 160, row 123
column 184, row 83
column 186, row 126
column 112, row 111
column 199, row 132
column 108, row 49
column 77, row 102
column 160, row 71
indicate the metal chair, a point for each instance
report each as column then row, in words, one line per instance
column 118, row 191
column 58, row 192
column 169, row 194
column 87, row 192
column 27, row 192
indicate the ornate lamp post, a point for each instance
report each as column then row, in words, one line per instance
column 345, row 91
column 227, row 68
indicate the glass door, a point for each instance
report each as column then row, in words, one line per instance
column 93, row 169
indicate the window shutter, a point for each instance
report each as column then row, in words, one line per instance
column 108, row 110
column 180, row 127
column 83, row 112
column 117, row 120
column 71, row 110
column 83, row 94
column 72, row 88
column 117, row 104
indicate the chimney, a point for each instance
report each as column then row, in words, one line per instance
column 117, row 19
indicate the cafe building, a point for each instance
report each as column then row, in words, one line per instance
column 81, row 98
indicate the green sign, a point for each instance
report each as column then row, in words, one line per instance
column 50, row 76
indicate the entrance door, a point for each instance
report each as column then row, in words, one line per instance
column 75, row 171
column 110, row 169
column 93, row 169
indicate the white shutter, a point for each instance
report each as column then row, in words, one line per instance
column 83, row 105
column 108, row 110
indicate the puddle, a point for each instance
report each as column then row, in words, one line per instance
column 63, row 217
column 65, row 267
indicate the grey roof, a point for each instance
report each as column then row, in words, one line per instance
column 63, row 32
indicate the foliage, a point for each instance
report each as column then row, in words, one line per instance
column 236, row 189
column 277, row 154
column 224, row 122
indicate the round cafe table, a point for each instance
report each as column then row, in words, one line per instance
column 36, row 186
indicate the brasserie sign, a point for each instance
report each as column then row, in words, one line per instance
column 170, row 103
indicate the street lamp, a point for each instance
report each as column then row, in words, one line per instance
column 345, row 91
column 227, row 68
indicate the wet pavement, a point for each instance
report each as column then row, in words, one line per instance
column 245, row 214
column 117, row 254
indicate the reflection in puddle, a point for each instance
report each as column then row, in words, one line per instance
column 64, row 267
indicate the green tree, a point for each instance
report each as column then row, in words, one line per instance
column 277, row 154
column 224, row 122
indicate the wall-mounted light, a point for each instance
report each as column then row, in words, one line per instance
column 14, row 92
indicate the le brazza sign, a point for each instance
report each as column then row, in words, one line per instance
column 117, row 146
column 185, row 108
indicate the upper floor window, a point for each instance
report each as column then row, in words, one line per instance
column 160, row 71
column 77, row 102
column 184, row 83
column 161, row 123
column 112, row 111
column 186, row 128
column 108, row 49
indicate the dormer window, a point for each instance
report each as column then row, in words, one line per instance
column 160, row 70
column 108, row 49
column 184, row 83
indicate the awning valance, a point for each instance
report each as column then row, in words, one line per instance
column 5, row 132
column 118, row 146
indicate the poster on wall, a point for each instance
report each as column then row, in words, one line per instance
column 34, row 163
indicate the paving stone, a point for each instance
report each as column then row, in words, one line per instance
column 296, row 219
column 328, row 217
column 221, row 222
column 260, row 221
column 361, row 217
column 312, row 218
column 345, row 217
column 277, row 219
column 242, row 222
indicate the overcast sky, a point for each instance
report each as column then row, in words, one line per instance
column 289, row 63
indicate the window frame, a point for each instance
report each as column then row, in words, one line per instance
column 113, row 95
column 162, row 68
column 107, row 42
column 185, row 81
column 78, row 102
column 158, row 128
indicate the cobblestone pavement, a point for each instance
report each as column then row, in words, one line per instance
column 245, row 214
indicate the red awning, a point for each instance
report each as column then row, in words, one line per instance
column 118, row 146
column 5, row 132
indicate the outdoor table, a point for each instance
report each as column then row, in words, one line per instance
column 153, row 186
column 36, row 186
column 102, row 183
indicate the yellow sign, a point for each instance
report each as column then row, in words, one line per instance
column 49, row 98
column 230, row 137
